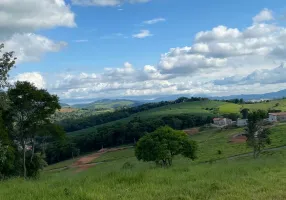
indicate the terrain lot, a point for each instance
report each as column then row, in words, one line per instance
column 238, row 178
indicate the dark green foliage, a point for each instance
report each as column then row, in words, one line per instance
column 257, row 135
column 232, row 116
column 244, row 113
column 163, row 144
column 35, row 164
column 29, row 112
column 127, row 165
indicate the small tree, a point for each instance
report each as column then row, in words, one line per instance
column 257, row 135
column 163, row 144
column 244, row 113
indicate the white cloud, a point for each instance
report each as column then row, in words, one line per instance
column 31, row 47
column 142, row 34
column 34, row 77
column 155, row 21
column 221, row 61
column 264, row 15
column 20, row 19
column 106, row 2
column 18, row 16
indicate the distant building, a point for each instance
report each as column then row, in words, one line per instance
column 277, row 117
column 241, row 122
column 222, row 121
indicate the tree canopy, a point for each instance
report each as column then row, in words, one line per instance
column 163, row 144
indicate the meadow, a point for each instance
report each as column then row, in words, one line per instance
column 212, row 176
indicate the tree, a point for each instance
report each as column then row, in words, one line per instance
column 7, row 61
column 257, row 135
column 30, row 110
column 163, row 144
column 244, row 113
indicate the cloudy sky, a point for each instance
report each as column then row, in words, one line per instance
column 82, row 49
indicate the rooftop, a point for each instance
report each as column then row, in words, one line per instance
column 278, row 114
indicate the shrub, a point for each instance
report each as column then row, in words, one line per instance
column 127, row 165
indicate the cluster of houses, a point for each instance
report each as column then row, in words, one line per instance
column 273, row 117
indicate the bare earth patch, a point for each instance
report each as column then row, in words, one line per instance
column 85, row 162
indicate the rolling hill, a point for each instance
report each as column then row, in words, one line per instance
column 108, row 104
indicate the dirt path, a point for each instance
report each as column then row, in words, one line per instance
column 85, row 162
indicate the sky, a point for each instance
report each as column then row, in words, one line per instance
column 84, row 49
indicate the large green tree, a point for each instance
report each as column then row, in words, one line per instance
column 31, row 109
column 163, row 144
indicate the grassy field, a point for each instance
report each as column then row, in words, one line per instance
column 106, row 104
column 240, row 178
column 235, row 108
column 236, row 179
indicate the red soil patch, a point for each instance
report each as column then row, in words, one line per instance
column 192, row 131
column 238, row 139
column 85, row 162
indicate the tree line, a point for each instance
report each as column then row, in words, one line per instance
column 71, row 125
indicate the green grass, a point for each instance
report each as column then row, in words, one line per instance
column 236, row 179
column 240, row 178
column 230, row 108
column 235, row 108
column 62, row 164
column 116, row 155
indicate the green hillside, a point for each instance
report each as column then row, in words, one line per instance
column 107, row 104
column 237, row 178
column 235, row 108
column 199, row 108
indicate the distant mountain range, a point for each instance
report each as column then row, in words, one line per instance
column 115, row 103
column 248, row 97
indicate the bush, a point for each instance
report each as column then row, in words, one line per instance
column 127, row 165
column 163, row 144
column 35, row 165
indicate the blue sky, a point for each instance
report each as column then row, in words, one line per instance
column 91, row 48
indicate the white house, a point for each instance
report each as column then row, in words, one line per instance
column 241, row 122
column 222, row 121
column 277, row 117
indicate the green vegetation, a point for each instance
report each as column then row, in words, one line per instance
column 163, row 144
column 107, row 104
column 123, row 177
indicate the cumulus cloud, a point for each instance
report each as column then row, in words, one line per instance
column 17, row 16
column 142, row 34
column 154, row 21
column 220, row 61
column 20, row 19
column 264, row 15
column 34, row 77
column 266, row 76
column 31, row 47
column 106, row 2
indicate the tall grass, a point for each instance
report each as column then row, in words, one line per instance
column 263, row 178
